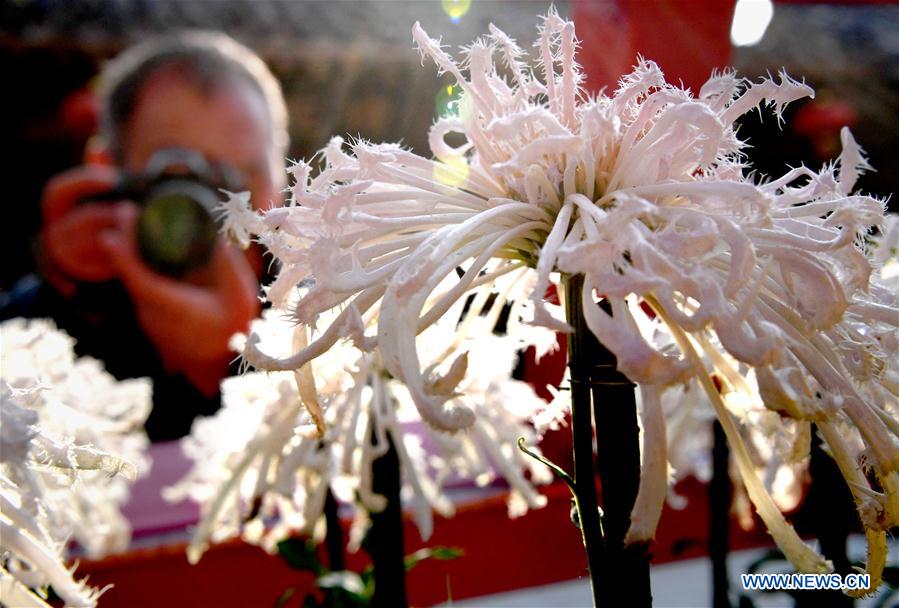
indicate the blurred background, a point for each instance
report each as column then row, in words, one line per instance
column 348, row 68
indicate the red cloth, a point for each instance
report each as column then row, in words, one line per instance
column 687, row 38
column 499, row 555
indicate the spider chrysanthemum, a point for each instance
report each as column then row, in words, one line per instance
column 261, row 470
column 71, row 438
column 647, row 194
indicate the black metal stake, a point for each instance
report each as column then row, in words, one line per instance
column 384, row 541
column 334, row 540
column 626, row 568
column 619, row 575
column 720, row 497
column 831, row 511
column 586, row 502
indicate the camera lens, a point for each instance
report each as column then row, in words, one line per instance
column 176, row 232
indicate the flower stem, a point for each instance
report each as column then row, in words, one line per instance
column 384, row 541
column 619, row 574
column 334, row 540
column 585, row 498
column 720, row 496
column 626, row 567
column 831, row 513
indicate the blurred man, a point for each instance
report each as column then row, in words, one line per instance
column 168, row 105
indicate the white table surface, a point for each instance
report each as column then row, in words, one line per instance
column 682, row 584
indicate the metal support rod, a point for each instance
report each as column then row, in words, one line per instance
column 384, row 541
column 720, row 497
column 619, row 575
column 626, row 568
column 334, row 540
column 831, row 512
column 586, row 502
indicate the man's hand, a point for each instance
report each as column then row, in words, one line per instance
column 191, row 321
column 71, row 232
column 188, row 321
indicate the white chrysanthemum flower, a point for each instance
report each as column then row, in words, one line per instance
column 778, row 447
column 238, row 221
column 884, row 249
column 646, row 194
column 71, row 438
column 261, row 469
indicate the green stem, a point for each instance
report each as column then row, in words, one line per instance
column 384, row 541
column 334, row 541
column 720, row 497
column 585, row 498
column 831, row 513
column 626, row 567
column 619, row 573
column 559, row 471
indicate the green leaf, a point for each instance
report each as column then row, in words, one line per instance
column 300, row 554
column 441, row 553
column 368, row 579
column 346, row 589
column 342, row 579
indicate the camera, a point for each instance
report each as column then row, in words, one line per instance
column 178, row 193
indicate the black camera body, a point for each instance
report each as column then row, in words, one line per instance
column 178, row 193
